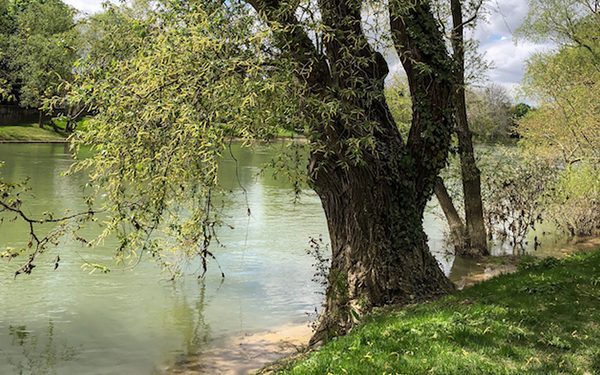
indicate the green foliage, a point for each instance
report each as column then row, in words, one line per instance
column 489, row 113
column 542, row 320
column 564, row 83
column 520, row 110
column 559, row 21
column 531, row 263
column 172, row 87
column 6, row 29
column 398, row 98
column 575, row 199
column 39, row 49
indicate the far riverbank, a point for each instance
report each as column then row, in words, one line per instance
column 29, row 134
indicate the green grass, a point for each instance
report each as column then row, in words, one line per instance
column 28, row 133
column 544, row 319
column 31, row 132
column 81, row 125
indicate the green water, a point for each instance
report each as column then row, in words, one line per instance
column 69, row 322
column 66, row 321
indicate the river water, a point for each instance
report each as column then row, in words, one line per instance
column 66, row 321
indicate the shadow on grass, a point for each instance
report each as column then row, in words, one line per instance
column 540, row 320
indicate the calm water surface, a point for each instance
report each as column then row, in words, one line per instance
column 67, row 321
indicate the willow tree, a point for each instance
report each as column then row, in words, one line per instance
column 185, row 78
column 564, row 84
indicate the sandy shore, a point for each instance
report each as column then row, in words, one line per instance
column 245, row 354
column 248, row 353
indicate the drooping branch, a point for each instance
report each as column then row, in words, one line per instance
column 40, row 243
column 294, row 43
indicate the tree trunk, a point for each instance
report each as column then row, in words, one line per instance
column 380, row 254
column 457, row 228
column 471, row 175
column 41, row 119
column 373, row 185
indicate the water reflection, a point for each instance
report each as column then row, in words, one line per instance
column 36, row 353
column 187, row 316
column 138, row 320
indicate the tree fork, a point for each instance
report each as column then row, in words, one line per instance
column 374, row 206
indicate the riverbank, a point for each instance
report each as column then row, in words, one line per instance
column 541, row 319
column 28, row 134
column 246, row 353
column 243, row 354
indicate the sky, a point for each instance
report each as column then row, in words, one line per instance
column 494, row 35
column 496, row 41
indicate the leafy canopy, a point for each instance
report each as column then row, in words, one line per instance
column 565, row 86
column 38, row 49
column 173, row 84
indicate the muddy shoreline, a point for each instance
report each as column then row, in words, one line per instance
column 244, row 354
column 249, row 353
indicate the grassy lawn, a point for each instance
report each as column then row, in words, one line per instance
column 31, row 132
column 28, row 133
column 544, row 319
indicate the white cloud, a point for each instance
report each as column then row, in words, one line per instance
column 502, row 18
column 88, row 6
column 495, row 35
column 509, row 60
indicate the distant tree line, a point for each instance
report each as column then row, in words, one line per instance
column 38, row 48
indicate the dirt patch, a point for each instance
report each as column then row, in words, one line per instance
column 244, row 354
column 473, row 272
column 485, row 269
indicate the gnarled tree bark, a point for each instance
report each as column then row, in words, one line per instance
column 374, row 206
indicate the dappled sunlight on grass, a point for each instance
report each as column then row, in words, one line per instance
column 540, row 320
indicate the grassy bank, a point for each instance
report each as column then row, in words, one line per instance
column 28, row 133
column 543, row 319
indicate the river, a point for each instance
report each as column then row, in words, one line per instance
column 67, row 321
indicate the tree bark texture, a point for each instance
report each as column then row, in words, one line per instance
column 476, row 240
column 374, row 205
column 457, row 228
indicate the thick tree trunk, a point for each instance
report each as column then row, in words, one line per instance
column 375, row 207
column 379, row 249
column 471, row 175
column 457, row 228
column 373, row 184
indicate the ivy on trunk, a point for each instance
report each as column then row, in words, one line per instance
column 373, row 184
